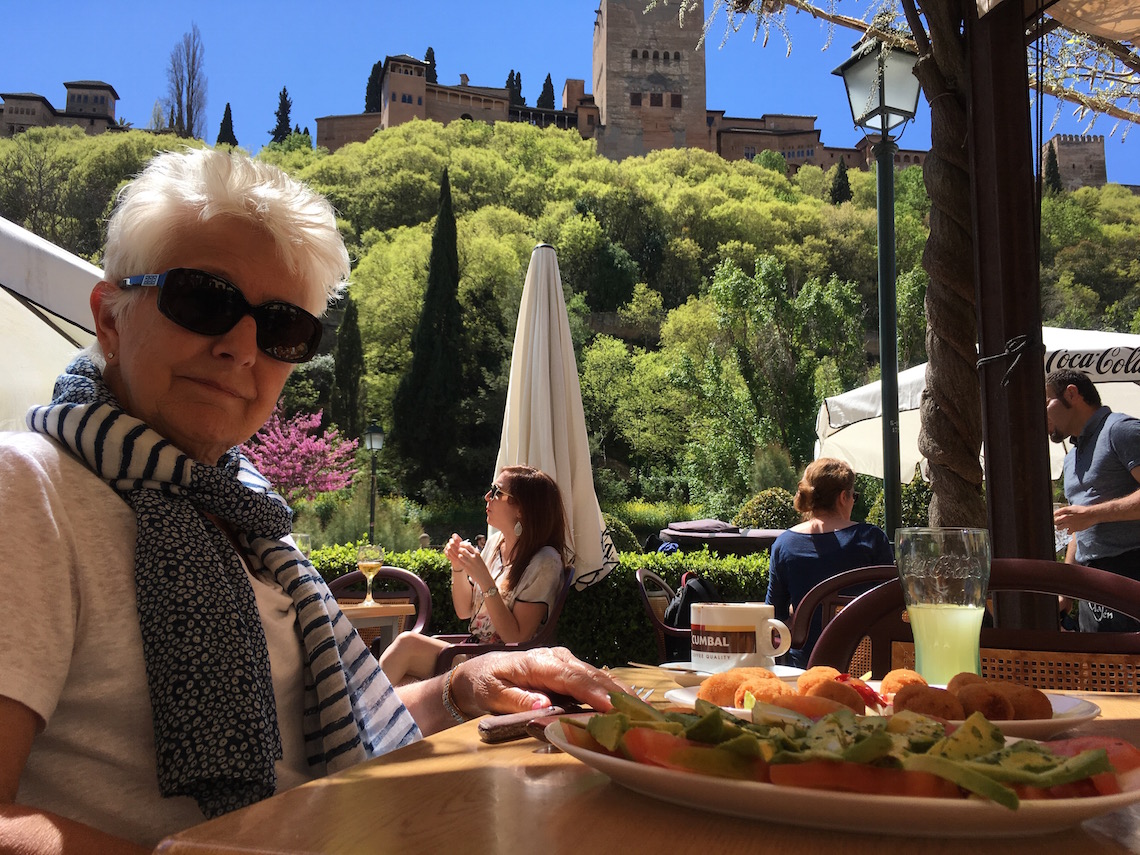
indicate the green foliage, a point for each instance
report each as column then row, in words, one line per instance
column 773, row 160
column 345, row 405
column 840, row 184
column 373, row 90
column 772, row 467
column 772, row 509
column 1053, row 183
column 281, row 129
column 646, row 518
column 428, row 392
column 621, row 534
column 915, row 498
column 911, row 319
column 546, row 99
column 346, row 519
column 309, row 388
column 226, row 130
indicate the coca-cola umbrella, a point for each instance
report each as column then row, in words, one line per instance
column 849, row 426
column 543, row 423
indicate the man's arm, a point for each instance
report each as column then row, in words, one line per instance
column 26, row 830
column 1080, row 517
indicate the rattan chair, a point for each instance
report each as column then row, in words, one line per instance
column 829, row 598
column 390, row 585
column 656, row 596
column 545, row 636
column 1046, row 659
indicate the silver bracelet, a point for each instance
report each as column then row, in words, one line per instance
column 493, row 591
column 449, row 702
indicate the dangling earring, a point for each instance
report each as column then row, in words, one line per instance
column 518, row 528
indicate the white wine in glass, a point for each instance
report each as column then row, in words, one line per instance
column 369, row 560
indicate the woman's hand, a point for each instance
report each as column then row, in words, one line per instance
column 517, row 681
column 465, row 558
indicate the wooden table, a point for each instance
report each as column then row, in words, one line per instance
column 377, row 621
column 452, row 793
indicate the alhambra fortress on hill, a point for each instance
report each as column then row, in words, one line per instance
column 648, row 94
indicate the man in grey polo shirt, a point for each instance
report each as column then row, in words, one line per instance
column 1102, row 486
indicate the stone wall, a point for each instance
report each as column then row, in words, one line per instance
column 1080, row 158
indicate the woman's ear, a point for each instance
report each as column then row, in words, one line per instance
column 106, row 326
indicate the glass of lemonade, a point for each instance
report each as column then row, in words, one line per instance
column 945, row 573
column 369, row 560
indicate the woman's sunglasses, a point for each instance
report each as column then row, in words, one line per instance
column 209, row 305
column 495, row 491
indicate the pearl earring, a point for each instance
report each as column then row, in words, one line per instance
column 110, row 355
column 518, row 528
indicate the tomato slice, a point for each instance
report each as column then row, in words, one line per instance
column 580, row 738
column 861, row 778
column 657, row 748
column 1124, row 757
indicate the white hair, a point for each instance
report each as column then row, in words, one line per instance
column 180, row 188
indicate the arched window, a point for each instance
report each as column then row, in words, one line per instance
column 656, row 55
column 665, row 56
column 645, row 54
column 676, row 56
column 633, row 54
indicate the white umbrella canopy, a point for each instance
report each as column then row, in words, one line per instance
column 850, row 426
column 544, row 425
column 45, row 317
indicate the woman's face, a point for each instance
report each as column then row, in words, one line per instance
column 502, row 513
column 203, row 393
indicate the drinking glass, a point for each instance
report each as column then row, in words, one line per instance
column 369, row 560
column 944, row 573
column 1061, row 536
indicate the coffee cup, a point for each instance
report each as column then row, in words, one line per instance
column 731, row 635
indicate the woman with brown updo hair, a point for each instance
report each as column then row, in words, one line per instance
column 508, row 589
column 828, row 542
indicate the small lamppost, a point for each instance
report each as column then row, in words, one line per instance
column 883, row 92
column 373, row 441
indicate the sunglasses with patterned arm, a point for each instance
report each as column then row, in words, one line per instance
column 207, row 304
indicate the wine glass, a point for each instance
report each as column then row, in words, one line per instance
column 369, row 560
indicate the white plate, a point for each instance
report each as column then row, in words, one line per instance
column 898, row 815
column 1068, row 712
column 684, row 675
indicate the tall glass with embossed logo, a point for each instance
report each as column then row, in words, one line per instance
column 945, row 573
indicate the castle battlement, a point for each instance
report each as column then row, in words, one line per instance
column 1079, row 139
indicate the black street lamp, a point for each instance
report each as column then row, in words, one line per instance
column 883, row 92
column 373, row 440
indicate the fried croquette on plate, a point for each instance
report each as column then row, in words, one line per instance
column 984, row 698
column 720, row 689
column 813, row 675
column 841, row 692
column 1028, row 703
column 963, row 679
column 763, row 690
column 896, row 679
column 929, row 701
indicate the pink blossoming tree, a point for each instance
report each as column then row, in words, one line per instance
column 299, row 462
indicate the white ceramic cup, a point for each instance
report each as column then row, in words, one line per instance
column 731, row 635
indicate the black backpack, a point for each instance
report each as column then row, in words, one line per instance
column 693, row 590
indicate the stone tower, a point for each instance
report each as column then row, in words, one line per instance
column 1080, row 157
column 649, row 79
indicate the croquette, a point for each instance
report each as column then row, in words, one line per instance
column 929, row 701
column 720, row 689
column 1028, row 703
column 836, row 691
column 762, row 689
column 813, row 675
column 896, row 679
column 984, row 698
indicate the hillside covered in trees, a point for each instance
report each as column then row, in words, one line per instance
column 714, row 303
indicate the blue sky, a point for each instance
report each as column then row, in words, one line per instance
column 323, row 53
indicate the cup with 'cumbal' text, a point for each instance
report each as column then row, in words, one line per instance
column 945, row 574
column 731, row 635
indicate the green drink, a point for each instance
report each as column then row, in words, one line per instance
column 945, row 640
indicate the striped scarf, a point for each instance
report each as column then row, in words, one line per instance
column 215, row 718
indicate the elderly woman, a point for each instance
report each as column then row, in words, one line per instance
column 170, row 656
column 826, row 543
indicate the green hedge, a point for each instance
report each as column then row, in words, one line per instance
column 605, row 624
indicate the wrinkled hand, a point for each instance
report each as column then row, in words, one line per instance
column 506, row 682
column 1074, row 518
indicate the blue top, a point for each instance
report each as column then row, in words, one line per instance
column 800, row 561
column 1099, row 469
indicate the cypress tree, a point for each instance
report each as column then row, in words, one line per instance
column 424, row 409
column 284, row 105
column 840, row 184
column 1053, row 183
column 348, row 368
column 373, row 92
column 546, row 99
column 226, row 131
column 519, row 101
column 429, row 58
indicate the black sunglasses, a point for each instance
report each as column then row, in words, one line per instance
column 495, row 491
column 209, row 305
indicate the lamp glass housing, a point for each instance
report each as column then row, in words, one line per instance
column 881, row 86
column 373, row 438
